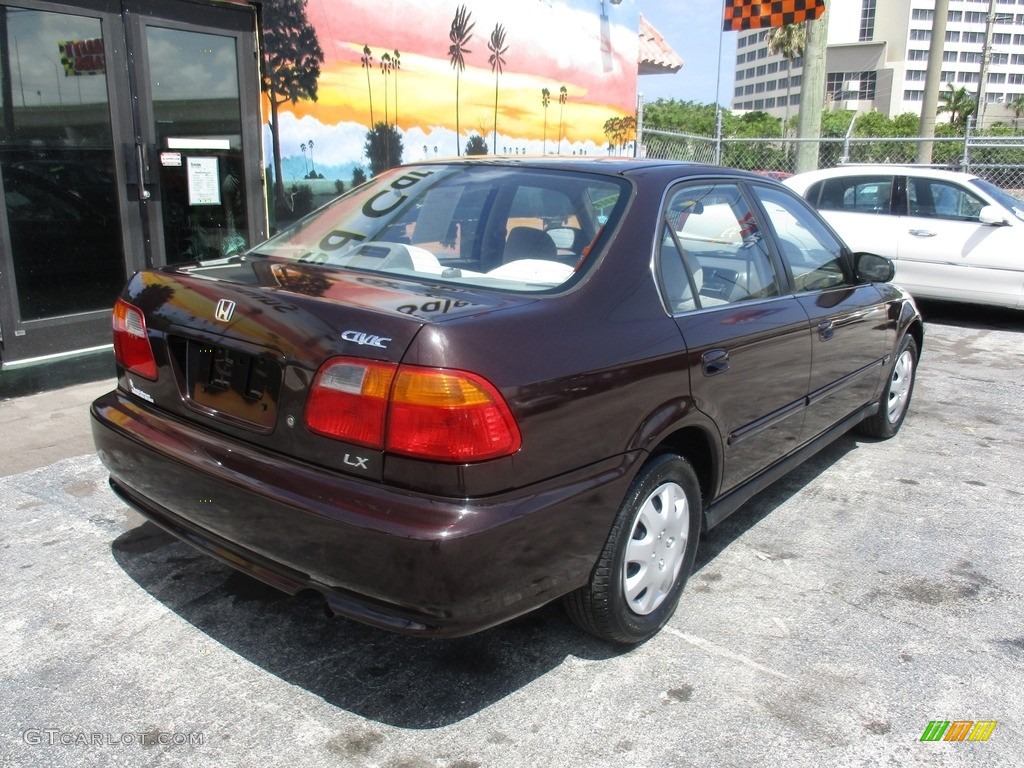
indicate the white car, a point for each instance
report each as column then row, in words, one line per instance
column 951, row 235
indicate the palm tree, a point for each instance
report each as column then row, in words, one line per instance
column 789, row 40
column 497, row 47
column 959, row 103
column 460, row 33
column 1016, row 105
column 545, row 100
column 563, row 96
column 311, row 163
column 305, row 165
column 385, row 69
column 396, row 64
column 367, row 61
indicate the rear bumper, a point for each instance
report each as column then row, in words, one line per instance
column 409, row 563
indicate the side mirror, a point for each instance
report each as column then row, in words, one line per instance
column 872, row 268
column 992, row 216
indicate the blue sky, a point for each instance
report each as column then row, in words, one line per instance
column 693, row 29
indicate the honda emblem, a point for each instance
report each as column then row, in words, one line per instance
column 225, row 308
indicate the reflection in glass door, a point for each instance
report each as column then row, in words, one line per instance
column 129, row 137
column 63, row 253
column 198, row 130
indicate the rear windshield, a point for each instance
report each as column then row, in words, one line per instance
column 510, row 228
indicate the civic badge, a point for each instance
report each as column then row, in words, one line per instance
column 225, row 308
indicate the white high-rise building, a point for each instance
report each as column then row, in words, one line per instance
column 878, row 54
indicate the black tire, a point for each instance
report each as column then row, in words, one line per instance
column 899, row 388
column 649, row 554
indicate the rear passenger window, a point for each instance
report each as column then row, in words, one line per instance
column 856, row 194
column 712, row 251
column 813, row 255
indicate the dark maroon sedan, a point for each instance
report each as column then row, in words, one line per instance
column 466, row 389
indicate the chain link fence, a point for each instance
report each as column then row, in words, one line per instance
column 1000, row 159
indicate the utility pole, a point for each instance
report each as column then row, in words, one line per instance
column 930, row 105
column 986, row 59
column 812, row 94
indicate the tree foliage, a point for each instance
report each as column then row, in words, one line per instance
column 959, row 103
column 476, row 145
column 383, row 148
column 291, row 67
column 620, row 131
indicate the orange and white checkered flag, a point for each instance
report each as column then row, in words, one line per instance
column 746, row 14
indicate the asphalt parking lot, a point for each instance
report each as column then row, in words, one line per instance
column 875, row 589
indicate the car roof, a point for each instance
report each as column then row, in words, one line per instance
column 802, row 181
column 620, row 166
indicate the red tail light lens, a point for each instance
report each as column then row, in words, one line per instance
column 131, row 342
column 449, row 416
column 349, row 400
column 426, row 413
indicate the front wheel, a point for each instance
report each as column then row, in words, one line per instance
column 892, row 409
column 638, row 578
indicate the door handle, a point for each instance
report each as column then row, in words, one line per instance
column 141, row 168
column 715, row 361
column 922, row 233
column 826, row 330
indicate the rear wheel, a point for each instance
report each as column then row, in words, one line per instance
column 647, row 558
column 892, row 409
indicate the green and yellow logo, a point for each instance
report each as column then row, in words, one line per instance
column 958, row 730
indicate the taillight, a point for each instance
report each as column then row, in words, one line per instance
column 348, row 400
column 449, row 416
column 131, row 342
column 426, row 413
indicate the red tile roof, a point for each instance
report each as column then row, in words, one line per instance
column 656, row 56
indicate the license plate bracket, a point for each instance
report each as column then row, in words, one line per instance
column 233, row 384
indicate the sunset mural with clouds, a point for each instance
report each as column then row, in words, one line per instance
column 584, row 52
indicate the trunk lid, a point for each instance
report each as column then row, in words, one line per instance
column 238, row 343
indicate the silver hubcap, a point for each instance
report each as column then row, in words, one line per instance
column 899, row 387
column 657, row 546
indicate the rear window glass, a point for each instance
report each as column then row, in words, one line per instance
column 509, row 228
column 859, row 194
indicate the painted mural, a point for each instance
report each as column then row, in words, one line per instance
column 402, row 80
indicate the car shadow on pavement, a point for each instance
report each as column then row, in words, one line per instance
column 396, row 680
column 407, row 682
column 970, row 316
column 715, row 541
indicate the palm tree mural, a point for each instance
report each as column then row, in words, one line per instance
column 545, row 100
column 563, row 96
column 498, row 49
column 385, row 69
column 959, row 103
column 789, row 40
column 367, row 63
column 460, row 33
column 396, row 64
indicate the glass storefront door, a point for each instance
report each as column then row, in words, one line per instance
column 129, row 138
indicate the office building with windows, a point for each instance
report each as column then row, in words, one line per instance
column 878, row 55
